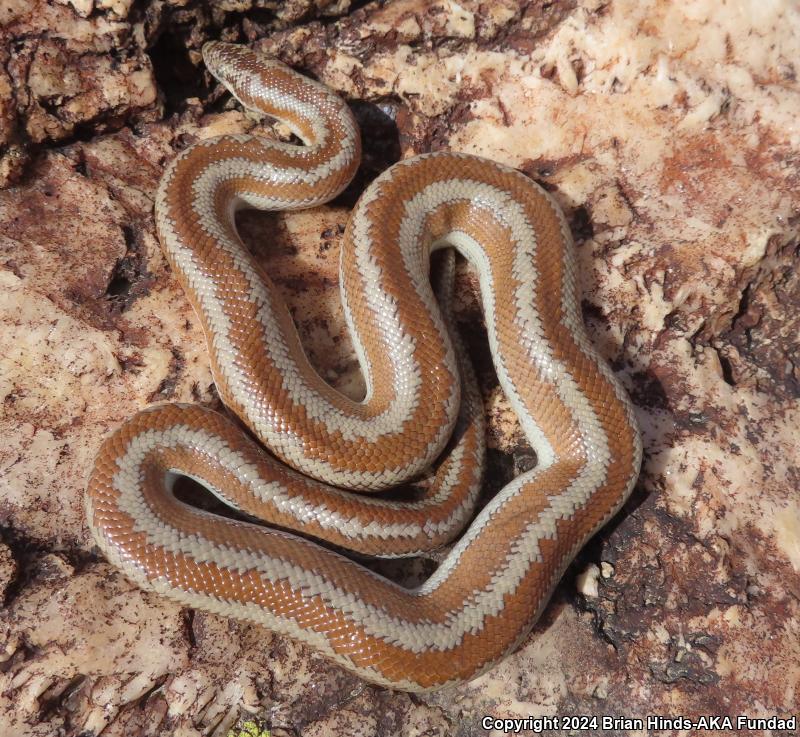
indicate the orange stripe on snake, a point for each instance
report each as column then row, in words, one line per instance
column 492, row 585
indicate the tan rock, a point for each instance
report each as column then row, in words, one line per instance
column 667, row 131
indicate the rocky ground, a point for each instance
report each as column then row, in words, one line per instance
column 669, row 134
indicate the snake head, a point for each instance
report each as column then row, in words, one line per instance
column 250, row 77
column 227, row 62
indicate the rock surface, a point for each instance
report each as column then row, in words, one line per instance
column 669, row 134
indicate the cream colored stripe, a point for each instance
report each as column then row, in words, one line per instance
column 417, row 637
column 326, row 515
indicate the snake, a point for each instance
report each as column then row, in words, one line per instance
column 299, row 463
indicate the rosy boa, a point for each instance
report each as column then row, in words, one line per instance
column 492, row 585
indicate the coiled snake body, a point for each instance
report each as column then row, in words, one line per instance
column 491, row 587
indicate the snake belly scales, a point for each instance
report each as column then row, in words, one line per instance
column 326, row 449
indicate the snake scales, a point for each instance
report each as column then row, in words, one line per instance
column 493, row 584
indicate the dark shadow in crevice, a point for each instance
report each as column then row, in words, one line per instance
column 380, row 145
column 176, row 76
